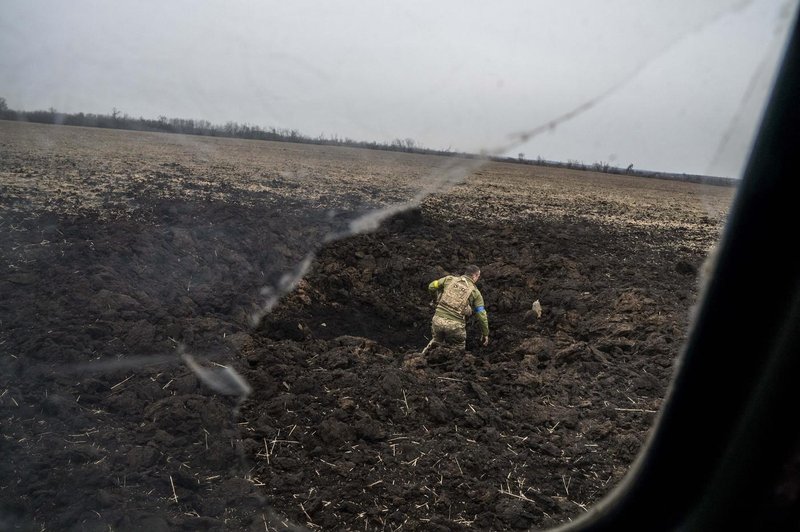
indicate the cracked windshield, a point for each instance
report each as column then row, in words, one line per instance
column 354, row 265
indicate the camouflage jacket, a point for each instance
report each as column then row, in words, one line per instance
column 472, row 300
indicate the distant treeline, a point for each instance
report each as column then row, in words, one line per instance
column 630, row 170
column 187, row 126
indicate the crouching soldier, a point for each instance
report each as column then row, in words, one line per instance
column 457, row 297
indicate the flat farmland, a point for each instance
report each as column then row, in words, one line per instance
column 123, row 250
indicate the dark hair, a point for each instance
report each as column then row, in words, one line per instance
column 472, row 270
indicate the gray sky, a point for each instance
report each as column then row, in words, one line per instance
column 675, row 86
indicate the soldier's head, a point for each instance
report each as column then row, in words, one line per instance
column 473, row 271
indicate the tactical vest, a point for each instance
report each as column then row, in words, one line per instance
column 456, row 294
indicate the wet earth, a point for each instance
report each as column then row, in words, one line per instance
column 347, row 425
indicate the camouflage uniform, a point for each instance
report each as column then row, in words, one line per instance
column 458, row 297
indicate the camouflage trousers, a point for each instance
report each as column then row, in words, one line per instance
column 448, row 332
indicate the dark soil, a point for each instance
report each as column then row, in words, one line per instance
column 347, row 426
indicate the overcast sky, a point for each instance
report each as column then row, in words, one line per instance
column 673, row 86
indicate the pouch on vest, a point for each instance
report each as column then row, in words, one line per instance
column 456, row 295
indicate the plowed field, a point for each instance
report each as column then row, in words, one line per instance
column 122, row 250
